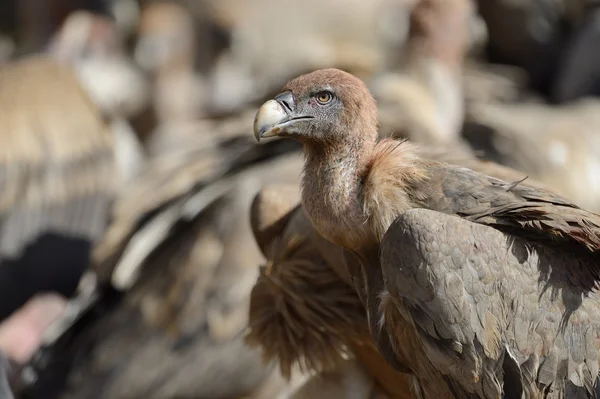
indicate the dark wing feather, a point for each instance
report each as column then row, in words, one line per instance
column 531, row 213
column 57, row 179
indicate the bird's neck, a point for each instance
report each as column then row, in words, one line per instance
column 331, row 190
column 352, row 193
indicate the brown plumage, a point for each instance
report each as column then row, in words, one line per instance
column 353, row 182
column 59, row 172
column 58, row 175
column 355, row 186
column 180, row 250
column 304, row 312
column 306, row 328
column 36, row 128
column 326, row 306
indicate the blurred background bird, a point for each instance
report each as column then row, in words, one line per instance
column 60, row 173
column 128, row 260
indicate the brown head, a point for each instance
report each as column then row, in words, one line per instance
column 327, row 106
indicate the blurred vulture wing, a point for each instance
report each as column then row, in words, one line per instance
column 176, row 187
column 57, row 178
column 181, row 247
column 486, row 304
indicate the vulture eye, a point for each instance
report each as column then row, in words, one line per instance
column 324, row 97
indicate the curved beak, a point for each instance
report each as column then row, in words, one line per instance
column 276, row 115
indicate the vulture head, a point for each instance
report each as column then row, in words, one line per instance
column 327, row 106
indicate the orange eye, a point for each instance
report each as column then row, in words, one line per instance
column 324, row 97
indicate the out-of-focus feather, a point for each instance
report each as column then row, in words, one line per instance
column 52, row 136
column 186, row 304
column 180, row 191
column 57, row 177
column 92, row 45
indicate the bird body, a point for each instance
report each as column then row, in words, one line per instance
column 355, row 187
column 307, row 326
column 495, row 315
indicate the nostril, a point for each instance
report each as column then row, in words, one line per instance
column 286, row 105
column 286, row 100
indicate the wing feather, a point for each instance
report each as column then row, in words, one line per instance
column 532, row 213
column 477, row 295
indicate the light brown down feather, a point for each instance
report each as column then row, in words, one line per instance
column 301, row 312
column 54, row 142
column 385, row 195
column 305, row 269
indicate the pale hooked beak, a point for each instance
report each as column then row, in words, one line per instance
column 275, row 115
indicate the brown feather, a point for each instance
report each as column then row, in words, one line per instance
column 58, row 170
column 301, row 312
column 304, row 314
column 532, row 213
column 52, row 136
column 270, row 212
